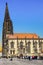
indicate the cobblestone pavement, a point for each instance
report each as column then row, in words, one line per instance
column 16, row 61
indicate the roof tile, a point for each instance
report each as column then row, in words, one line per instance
column 22, row 35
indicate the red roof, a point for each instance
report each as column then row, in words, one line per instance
column 22, row 35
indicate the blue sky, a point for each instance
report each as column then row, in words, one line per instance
column 26, row 15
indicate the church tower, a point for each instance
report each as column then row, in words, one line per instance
column 7, row 29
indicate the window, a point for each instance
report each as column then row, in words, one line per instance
column 28, row 47
column 13, row 51
column 23, row 50
column 10, row 51
column 41, row 46
column 12, row 44
column 35, row 46
column 21, row 45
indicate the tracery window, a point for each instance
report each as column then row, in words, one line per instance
column 10, row 51
column 21, row 45
column 35, row 46
column 13, row 51
column 41, row 46
column 12, row 44
column 28, row 46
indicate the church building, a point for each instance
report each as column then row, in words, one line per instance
column 19, row 44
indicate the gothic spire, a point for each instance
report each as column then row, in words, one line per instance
column 7, row 17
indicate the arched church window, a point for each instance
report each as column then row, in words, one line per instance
column 29, row 43
column 28, row 46
column 21, row 45
column 10, row 51
column 35, row 46
column 13, row 51
column 23, row 50
column 40, row 43
column 41, row 46
column 12, row 44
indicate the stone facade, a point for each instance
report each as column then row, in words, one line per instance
column 24, row 46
